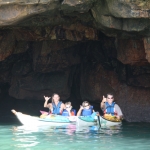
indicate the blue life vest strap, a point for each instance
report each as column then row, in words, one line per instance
column 87, row 112
column 110, row 109
column 56, row 109
column 66, row 113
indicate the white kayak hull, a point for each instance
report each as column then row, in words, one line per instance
column 106, row 123
column 102, row 122
column 37, row 121
column 80, row 122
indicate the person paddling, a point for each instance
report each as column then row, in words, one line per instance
column 56, row 107
column 109, row 107
column 85, row 110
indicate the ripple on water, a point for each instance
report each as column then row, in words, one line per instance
column 130, row 136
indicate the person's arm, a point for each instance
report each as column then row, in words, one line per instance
column 102, row 104
column 69, row 110
column 118, row 111
column 46, row 101
column 62, row 107
column 79, row 111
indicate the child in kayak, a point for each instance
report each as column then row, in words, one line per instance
column 68, row 111
column 86, row 109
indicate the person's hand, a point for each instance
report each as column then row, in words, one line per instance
column 104, row 99
column 46, row 98
column 118, row 117
column 81, row 107
column 69, row 109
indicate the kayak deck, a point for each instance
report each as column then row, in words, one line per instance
column 37, row 121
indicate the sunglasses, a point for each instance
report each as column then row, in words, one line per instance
column 86, row 105
column 110, row 98
column 68, row 107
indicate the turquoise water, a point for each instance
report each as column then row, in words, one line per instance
column 130, row 136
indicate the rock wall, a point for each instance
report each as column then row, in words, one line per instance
column 82, row 49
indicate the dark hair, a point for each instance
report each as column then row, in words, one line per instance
column 68, row 103
column 110, row 94
column 53, row 96
column 83, row 104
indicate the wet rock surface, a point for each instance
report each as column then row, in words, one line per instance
column 81, row 50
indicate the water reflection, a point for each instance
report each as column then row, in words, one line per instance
column 111, row 130
column 67, row 129
column 131, row 135
column 25, row 136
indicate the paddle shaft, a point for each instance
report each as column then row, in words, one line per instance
column 99, row 121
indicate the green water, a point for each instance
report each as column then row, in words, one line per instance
column 130, row 136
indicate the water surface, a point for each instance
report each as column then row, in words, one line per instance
column 130, row 136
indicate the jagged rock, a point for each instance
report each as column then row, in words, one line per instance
column 147, row 48
column 96, row 82
column 131, row 51
column 5, row 48
column 74, row 32
column 52, row 46
column 36, row 85
column 107, row 15
column 21, row 68
column 54, row 55
column 13, row 47
column 138, row 76
column 122, row 15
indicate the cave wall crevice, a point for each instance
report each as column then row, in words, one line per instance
column 79, row 49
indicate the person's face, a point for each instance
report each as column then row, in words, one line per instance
column 86, row 106
column 67, row 106
column 110, row 99
column 56, row 98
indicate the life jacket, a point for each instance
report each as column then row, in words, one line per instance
column 56, row 109
column 87, row 112
column 66, row 113
column 110, row 109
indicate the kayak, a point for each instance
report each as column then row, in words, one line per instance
column 102, row 122
column 58, row 120
column 52, row 120
column 87, row 120
column 81, row 121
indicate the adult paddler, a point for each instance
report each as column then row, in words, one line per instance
column 56, row 106
column 109, row 107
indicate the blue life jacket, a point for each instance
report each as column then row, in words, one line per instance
column 87, row 112
column 56, row 109
column 110, row 109
column 66, row 113
column 74, row 111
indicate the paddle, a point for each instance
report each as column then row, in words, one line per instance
column 99, row 122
